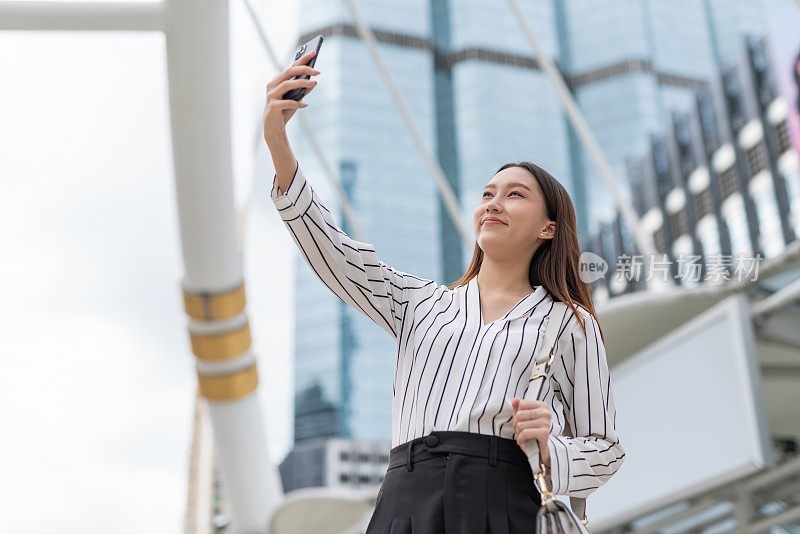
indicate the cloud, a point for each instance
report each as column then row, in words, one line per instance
column 95, row 427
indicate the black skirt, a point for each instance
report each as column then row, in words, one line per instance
column 456, row 483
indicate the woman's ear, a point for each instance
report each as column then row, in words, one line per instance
column 549, row 231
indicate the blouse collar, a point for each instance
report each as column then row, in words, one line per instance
column 523, row 307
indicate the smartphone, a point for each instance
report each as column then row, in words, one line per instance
column 313, row 44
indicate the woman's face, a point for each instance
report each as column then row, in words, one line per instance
column 513, row 197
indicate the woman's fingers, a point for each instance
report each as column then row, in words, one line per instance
column 529, row 403
column 542, row 421
column 296, row 70
column 286, row 104
column 289, row 73
column 300, row 66
column 526, row 404
column 277, row 92
column 305, row 58
column 531, row 420
column 531, row 413
column 529, row 434
column 537, row 423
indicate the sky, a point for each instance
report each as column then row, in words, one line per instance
column 97, row 377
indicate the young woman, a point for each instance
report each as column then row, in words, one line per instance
column 465, row 351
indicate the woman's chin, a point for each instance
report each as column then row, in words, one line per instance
column 494, row 245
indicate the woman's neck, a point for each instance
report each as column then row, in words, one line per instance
column 504, row 277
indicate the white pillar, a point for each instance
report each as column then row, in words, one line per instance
column 214, row 297
column 197, row 58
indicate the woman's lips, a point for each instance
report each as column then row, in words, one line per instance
column 492, row 221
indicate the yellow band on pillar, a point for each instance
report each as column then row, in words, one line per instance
column 207, row 306
column 219, row 347
column 228, row 387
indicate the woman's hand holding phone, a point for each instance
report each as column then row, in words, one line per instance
column 277, row 112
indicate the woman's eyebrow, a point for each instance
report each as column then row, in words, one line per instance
column 511, row 184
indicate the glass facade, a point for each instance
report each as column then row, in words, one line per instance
column 634, row 63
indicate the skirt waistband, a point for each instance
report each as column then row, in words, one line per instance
column 446, row 441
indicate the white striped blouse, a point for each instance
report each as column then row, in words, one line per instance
column 454, row 371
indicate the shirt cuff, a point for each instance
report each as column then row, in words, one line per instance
column 296, row 200
column 560, row 463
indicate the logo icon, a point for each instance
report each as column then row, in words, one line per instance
column 591, row 267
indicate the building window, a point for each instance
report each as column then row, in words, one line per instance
column 344, row 456
column 683, row 222
column 782, row 135
column 728, row 183
column 660, row 240
column 756, row 159
column 363, row 457
column 363, row 479
column 675, row 224
column 703, row 203
column 679, row 223
column 344, row 478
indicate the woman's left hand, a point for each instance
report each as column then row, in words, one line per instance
column 532, row 421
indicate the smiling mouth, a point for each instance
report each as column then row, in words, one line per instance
column 491, row 221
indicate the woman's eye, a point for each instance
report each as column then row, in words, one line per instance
column 512, row 192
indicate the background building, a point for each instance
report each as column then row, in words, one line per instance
column 335, row 462
column 722, row 181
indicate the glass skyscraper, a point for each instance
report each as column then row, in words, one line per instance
column 480, row 100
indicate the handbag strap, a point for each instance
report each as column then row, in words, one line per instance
column 541, row 370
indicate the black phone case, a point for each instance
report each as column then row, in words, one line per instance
column 300, row 92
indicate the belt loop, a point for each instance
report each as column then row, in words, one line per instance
column 409, row 465
column 493, row 450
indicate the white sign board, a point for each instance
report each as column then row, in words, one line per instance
column 689, row 415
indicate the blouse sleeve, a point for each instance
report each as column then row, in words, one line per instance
column 588, row 453
column 349, row 268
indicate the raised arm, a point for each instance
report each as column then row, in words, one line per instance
column 588, row 452
column 350, row 269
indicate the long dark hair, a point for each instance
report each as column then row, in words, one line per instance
column 554, row 265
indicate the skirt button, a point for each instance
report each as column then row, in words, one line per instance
column 431, row 440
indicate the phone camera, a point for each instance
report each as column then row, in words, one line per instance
column 300, row 52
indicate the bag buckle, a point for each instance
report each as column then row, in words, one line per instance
column 548, row 496
column 545, row 491
column 534, row 376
